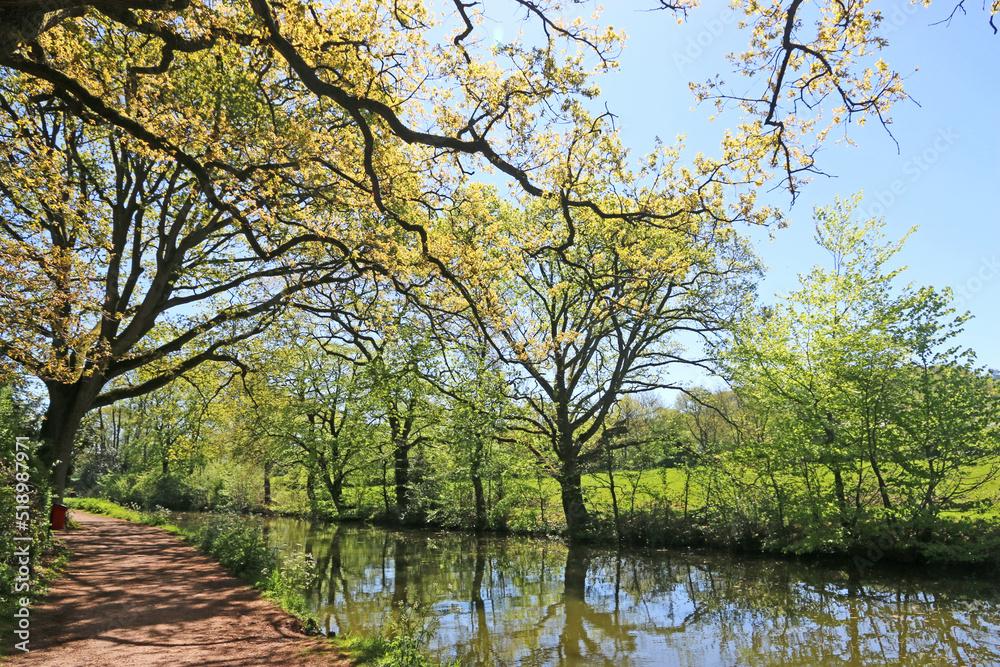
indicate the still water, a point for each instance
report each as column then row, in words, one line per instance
column 519, row 601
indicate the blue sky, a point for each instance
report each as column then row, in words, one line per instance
column 943, row 176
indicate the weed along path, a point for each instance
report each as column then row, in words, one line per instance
column 138, row 596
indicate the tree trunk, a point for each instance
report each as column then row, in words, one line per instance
column 687, row 489
column 68, row 404
column 385, row 485
column 335, row 487
column 834, row 465
column 614, row 495
column 311, row 488
column 883, row 490
column 571, row 489
column 401, row 460
column 838, row 487
column 541, row 503
column 268, row 466
column 477, row 485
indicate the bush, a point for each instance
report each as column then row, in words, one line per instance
column 147, row 490
column 158, row 516
column 290, row 580
column 118, row 488
column 240, row 545
column 21, row 474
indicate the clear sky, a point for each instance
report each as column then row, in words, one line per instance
column 945, row 176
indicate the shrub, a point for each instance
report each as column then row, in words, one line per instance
column 21, row 474
column 158, row 516
column 118, row 488
column 287, row 583
column 240, row 545
column 404, row 645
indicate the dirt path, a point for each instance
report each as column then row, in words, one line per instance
column 137, row 596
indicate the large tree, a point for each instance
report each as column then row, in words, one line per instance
column 401, row 74
column 579, row 326
column 115, row 258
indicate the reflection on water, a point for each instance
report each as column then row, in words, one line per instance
column 511, row 601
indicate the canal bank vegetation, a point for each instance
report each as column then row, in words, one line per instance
column 851, row 423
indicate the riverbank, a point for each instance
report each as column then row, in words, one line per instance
column 514, row 600
column 137, row 595
column 967, row 541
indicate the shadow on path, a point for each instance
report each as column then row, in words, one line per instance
column 136, row 596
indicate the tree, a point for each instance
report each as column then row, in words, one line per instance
column 388, row 342
column 326, row 412
column 948, row 416
column 391, row 72
column 472, row 382
column 579, row 327
column 812, row 70
column 872, row 410
column 399, row 76
column 115, row 259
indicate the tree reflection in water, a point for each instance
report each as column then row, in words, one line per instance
column 513, row 601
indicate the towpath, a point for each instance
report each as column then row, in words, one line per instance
column 137, row 596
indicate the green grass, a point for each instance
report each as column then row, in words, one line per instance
column 158, row 518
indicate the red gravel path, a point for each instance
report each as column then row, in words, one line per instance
column 136, row 596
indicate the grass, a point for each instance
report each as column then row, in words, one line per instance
column 158, row 517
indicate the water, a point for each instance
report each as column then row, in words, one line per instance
column 519, row 601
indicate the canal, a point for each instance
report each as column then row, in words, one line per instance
column 522, row 601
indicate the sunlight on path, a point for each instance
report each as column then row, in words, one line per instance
column 135, row 595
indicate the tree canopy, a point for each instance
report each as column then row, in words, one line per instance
column 175, row 171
